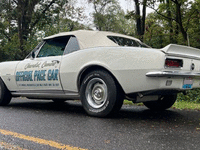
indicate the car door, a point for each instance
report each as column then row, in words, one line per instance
column 41, row 73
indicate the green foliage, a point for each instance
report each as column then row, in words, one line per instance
column 191, row 96
column 9, row 50
column 64, row 25
column 186, row 105
column 154, row 35
column 168, row 24
column 109, row 16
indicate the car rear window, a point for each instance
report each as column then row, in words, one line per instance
column 121, row 41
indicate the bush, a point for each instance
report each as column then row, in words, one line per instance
column 191, row 96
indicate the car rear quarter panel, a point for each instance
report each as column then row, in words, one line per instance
column 129, row 65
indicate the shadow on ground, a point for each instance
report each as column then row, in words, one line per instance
column 136, row 113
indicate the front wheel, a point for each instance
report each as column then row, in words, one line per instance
column 5, row 96
column 164, row 102
column 100, row 94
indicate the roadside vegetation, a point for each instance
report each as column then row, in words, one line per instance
column 186, row 105
column 189, row 101
column 182, row 105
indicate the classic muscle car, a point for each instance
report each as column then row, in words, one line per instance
column 101, row 69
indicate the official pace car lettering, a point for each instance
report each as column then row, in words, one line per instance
column 24, row 76
column 37, row 75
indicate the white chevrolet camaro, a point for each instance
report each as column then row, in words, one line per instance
column 101, row 69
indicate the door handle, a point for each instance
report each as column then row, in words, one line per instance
column 57, row 61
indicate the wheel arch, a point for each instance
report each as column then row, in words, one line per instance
column 3, row 81
column 90, row 68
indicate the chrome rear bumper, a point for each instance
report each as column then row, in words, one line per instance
column 172, row 74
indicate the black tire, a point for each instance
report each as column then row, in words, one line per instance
column 5, row 96
column 162, row 103
column 100, row 94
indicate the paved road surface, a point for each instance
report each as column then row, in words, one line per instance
column 37, row 125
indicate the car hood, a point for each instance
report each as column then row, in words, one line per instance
column 181, row 51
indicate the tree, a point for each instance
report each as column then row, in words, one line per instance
column 139, row 17
column 66, row 17
column 140, row 20
column 109, row 16
column 5, row 19
column 100, row 8
column 182, row 16
column 155, row 32
column 22, row 21
column 162, row 27
column 27, row 18
column 21, row 17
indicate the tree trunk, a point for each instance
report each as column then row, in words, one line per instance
column 20, row 32
column 140, row 21
column 138, row 18
column 179, row 17
column 169, row 15
column 144, row 16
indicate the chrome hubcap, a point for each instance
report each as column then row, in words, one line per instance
column 96, row 93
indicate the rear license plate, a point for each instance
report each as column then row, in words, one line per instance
column 187, row 83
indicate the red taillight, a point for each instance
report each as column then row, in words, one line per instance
column 177, row 63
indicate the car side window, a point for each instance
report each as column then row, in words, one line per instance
column 53, row 47
column 72, row 45
column 121, row 41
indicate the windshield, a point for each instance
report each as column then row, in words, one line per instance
column 34, row 50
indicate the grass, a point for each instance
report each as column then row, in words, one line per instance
column 177, row 105
column 186, row 105
column 126, row 102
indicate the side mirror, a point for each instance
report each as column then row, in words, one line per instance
column 33, row 54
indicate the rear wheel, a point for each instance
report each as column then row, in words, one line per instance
column 100, row 94
column 5, row 96
column 162, row 103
